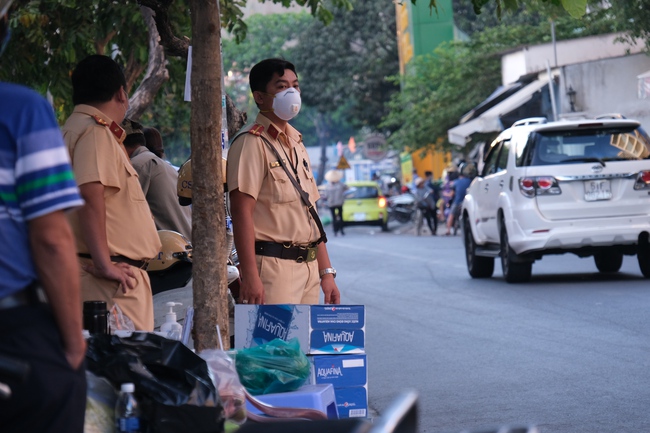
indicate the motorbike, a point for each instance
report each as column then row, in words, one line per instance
column 401, row 208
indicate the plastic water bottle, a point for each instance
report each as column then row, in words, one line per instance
column 127, row 411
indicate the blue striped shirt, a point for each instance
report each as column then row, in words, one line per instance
column 35, row 178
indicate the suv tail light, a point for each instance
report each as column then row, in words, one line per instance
column 642, row 180
column 539, row 185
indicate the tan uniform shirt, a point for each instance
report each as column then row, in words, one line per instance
column 158, row 180
column 279, row 215
column 97, row 155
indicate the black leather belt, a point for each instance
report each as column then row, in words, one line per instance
column 24, row 297
column 121, row 259
column 287, row 251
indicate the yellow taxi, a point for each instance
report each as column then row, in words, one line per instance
column 365, row 205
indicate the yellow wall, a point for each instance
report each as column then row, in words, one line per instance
column 431, row 161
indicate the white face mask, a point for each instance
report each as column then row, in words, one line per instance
column 286, row 104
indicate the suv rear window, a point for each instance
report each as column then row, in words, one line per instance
column 362, row 192
column 593, row 145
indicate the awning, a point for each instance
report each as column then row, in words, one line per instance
column 490, row 121
column 501, row 93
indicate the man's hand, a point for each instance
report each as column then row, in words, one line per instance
column 330, row 289
column 76, row 355
column 120, row 272
column 251, row 289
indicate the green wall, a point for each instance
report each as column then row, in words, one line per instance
column 428, row 28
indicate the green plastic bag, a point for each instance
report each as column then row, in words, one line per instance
column 277, row 366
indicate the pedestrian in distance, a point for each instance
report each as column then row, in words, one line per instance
column 450, row 174
column 40, row 303
column 426, row 203
column 335, row 191
column 460, row 186
column 278, row 234
column 115, row 232
column 154, row 142
column 158, row 180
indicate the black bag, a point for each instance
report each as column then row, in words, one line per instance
column 172, row 383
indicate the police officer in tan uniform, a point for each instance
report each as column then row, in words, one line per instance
column 281, row 258
column 115, row 231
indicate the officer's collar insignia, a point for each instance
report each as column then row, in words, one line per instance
column 273, row 132
column 256, row 129
column 117, row 131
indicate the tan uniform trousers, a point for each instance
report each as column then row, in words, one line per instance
column 287, row 281
column 137, row 303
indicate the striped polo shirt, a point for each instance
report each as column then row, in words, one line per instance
column 35, row 178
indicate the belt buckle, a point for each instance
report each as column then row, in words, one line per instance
column 311, row 254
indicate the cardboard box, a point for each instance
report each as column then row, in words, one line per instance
column 352, row 401
column 320, row 329
column 340, row 370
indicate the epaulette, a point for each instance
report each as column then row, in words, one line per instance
column 99, row 120
column 256, row 129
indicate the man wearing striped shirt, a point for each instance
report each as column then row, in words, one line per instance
column 40, row 303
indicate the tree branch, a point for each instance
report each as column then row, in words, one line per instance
column 174, row 45
column 156, row 74
column 100, row 46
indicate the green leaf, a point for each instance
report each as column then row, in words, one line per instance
column 576, row 8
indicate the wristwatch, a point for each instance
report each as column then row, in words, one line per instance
column 326, row 271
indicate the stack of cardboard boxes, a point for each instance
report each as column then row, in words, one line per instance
column 332, row 336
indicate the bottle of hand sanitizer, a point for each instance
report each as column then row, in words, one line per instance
column 171, row 327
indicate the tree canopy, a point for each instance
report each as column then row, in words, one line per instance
column 459, row 75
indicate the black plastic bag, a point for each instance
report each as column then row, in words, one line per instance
column 172, row 383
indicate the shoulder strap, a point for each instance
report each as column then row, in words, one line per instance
column 257, row 131
column 303, row 194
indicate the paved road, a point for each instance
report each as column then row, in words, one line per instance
column 568, row 352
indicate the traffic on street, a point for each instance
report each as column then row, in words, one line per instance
column 566, row 351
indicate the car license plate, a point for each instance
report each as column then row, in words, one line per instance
column 359, row 216
column 598, row 190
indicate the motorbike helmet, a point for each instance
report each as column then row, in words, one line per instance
column 175, row 248
column 184, row 183
column 172, row 267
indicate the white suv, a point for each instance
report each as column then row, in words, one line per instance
column 579, row 187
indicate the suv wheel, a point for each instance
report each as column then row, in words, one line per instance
column 478, row 267
column 514, row 271
column 643, row 256
column 608, row 262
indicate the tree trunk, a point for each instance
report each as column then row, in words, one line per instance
column 208, row 211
